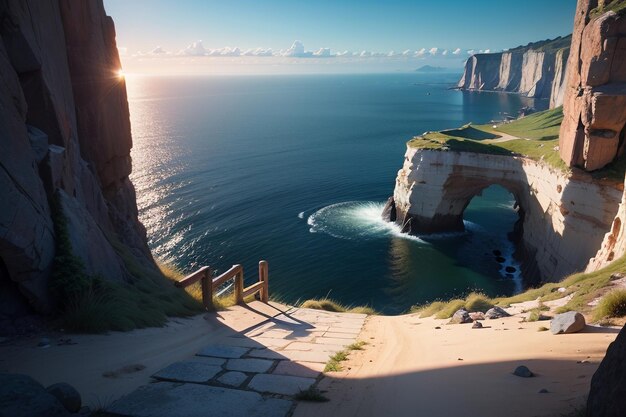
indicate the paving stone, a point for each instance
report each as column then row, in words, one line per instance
column 223, row 351
column 348, row 325
column 302, row 369
column 280, row 384
column 265, row 354
column 249, row 365
column 340, row 335
column 270, row 342
column 233, row 379
column 314, row 347
column 304, row 356
column 349, row 331
column 333, row 341
column 166, row 399
column 208, row 360
column 188, row 371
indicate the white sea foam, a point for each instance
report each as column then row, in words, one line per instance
column 301, row 215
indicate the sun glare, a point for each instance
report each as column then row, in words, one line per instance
column 120, row 74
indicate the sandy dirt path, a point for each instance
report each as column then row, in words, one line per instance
column 410, row 368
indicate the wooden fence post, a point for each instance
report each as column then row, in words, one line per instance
column 207, row 289
column 263, row 277
column 239, row 287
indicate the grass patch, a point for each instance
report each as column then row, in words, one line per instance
column 327, row 304
column 445, row 309
column 311, row 394
column 478, row 302
column 334, row 363
column 91, row 304
column 617, row 6
column 613, row 304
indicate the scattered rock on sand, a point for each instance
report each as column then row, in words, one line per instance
column 22, row 396
column 496, row 313
column 477, row 325
column 44, row 342
column 460, row 317
column 67, row 396
column 523, row 372
column 570, row 322
column 477, row 315
column 543, row 391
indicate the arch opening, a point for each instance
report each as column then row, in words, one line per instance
column 494, row 219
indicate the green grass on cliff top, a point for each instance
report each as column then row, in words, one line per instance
column 617, row 6
column 535, row 137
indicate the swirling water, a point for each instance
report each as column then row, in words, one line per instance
column 296, row 169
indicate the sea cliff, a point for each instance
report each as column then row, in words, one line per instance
column 535, row 70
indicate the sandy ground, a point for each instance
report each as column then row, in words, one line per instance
column 411, row 368
column 105, row 367
column 408, row 368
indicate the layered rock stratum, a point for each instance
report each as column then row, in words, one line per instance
column 64, row 138
column 535, row 70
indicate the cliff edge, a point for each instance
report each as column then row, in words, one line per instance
column 535, row 70
column 65, row 145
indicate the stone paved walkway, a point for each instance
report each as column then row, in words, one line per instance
column 252, row 372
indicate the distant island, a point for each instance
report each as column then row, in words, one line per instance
column 430, row 68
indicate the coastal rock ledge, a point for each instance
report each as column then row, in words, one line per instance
column 562, row 216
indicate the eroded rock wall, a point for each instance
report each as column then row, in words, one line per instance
column 594, row 106
column 530, row 72
column 564, row 217
column 64, row 132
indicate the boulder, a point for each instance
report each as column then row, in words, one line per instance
column 570, row 322
column 496, row 313
column 477, row 325
column 478, row 315
column 461, row 316
column 67, row 396
column 523, row 371
column 607, row 397
column 22, row 396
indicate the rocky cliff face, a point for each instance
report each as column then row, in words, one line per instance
column 563, row 217
column 536, row 70
column 593, row 130
column 64, row 134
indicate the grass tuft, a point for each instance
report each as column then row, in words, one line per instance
column 613, row 304
column 328, row 304
column 478, row 302
column 334, row 363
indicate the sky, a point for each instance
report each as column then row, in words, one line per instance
column 281, row 36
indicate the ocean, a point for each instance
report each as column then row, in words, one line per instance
column 296, row 169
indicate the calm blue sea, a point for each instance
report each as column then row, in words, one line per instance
column 296, row 169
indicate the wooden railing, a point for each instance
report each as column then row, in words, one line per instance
column 209, row 283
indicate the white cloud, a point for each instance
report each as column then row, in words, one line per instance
column 297, row 50
column 158, row 50
column 322, row 52
column 195, row 49
column 487, row 51
column 407, row 52
column 471, row 52
column 445, row 52
column 457, row 51
column 433, row 51
column 365, row 54
column 421, row 52
column 344, row 54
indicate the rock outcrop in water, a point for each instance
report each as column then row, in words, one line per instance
column 535, row 70
column 64, row 137
column 562, row 217
column 593, row 130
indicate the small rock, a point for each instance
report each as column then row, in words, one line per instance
column 562, row 289
column 616, row 276
column 67, row 396
column 543, row 391
column 44, row 342
column 438, row 328
column 570, row 322
column 496, row 252
column 500, row 260
column 510, row 269
column 477, row 315
column 496, row 313
column 477, row 325
column 523, row 371
column 460, row 317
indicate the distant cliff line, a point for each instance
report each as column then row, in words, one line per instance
column 536, row 70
